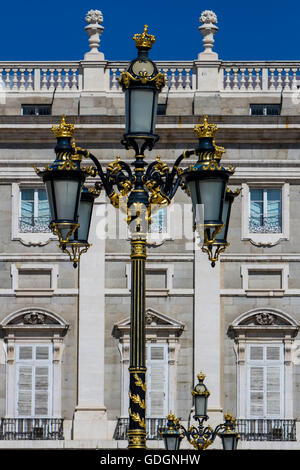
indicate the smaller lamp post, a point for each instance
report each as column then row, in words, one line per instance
column 202, row 436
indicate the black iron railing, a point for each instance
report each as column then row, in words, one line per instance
column 260, row 224
column 266, row 429
column 153, row 426
column 34, row 224
column 12, row 429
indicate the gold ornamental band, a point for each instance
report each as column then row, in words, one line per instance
column 138, row 249
column 136, row 439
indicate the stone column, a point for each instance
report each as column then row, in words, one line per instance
column 207, row 339
column 90, row 420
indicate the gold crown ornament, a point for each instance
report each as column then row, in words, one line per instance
column 205, row 129
column 63, row 129
column 144, row 40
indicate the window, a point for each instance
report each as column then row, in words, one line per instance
column 265, row 210
column 34, row 210
column 36, row 110
column 265, row 381
column 265, row 109
column 159, row 221
column 157, row 380
column 34, row 374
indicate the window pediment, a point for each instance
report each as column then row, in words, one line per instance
column 155, row 321
column 264, row 321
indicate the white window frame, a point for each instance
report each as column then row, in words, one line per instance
column 265, row 239
column 26, row 238
column 33, row 363
column 265, row 364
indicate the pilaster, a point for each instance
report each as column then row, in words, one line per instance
column 90, row 420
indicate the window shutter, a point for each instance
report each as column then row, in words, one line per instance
column 157, row 381
column 24, row 384
column 273, row 391
column 41, row 391
column 257, row 391
column 34, row 380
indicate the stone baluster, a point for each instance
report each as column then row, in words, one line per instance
column 74, row 83
column 272, row 79
column 173, row 79
column 257, row 84
column 30, row 79
column 294, row 79
column 235, row 78
column 250, row 79
column 114, row 81
column 15, row 79
column 59, row 86
column 180, row 80
column 51, row 80
column 227, row 84
column 67, row 80
column 45, row 83
column 188, row 79
column 287, row 78
column 166, row 73
column 279, row 79
column 243, row 78
column 7, row 79
column 22, row 80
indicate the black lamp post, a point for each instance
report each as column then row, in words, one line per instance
column 200, row 437
column 145, row 185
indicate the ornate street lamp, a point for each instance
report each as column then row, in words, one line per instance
column 200, row 437
column 136, row 191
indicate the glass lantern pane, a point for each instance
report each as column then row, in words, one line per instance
column 85, row 212
column 140, row 109
column 212, row 196
column 66, row 193
column 200, row 405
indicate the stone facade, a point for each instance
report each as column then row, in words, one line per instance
column 200, row 310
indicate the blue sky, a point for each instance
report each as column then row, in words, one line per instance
column 256, row 30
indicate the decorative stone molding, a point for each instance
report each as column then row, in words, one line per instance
column 43, row 323
column 263, row 322
column 94, row 29
column 208, row 29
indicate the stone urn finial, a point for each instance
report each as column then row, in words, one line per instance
column 208, row 29
column 94, row 29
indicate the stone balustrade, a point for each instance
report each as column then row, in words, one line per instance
column 182, row 76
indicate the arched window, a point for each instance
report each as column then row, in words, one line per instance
column 263, row 344
column 33, row 345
